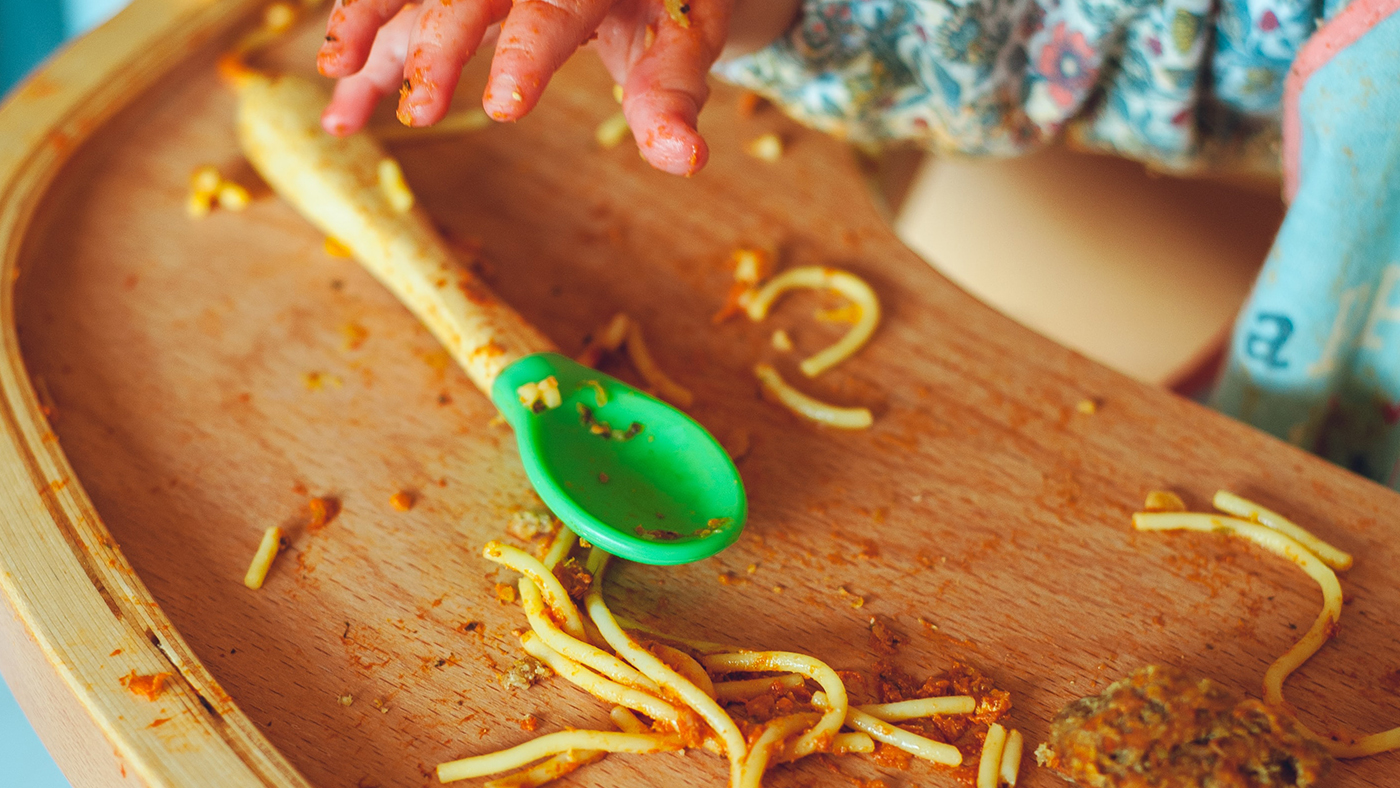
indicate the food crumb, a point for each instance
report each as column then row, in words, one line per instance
column 354, row 334
column 612, row 131
column 752, row 568
column 148, row 686
column 525, row 673
column 402, row 500
column 768, row 147
column 778, row 589
column 781, row 341
column 748, row 104
column 505, row 594
column 233, row 196
column 323, row 510
column 1088, row 407
column 1163, row 501
column 530, row 723
column 317, row 380
column 335, row 248
column 346, row 699
column 602, row 478
column 532, row 525
column 382, row 705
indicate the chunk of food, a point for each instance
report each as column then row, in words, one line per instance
column 1158, row 727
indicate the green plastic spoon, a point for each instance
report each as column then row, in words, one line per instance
column 661, row 492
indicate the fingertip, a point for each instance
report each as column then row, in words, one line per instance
column 674, row 147
column 503, row 99
column 334, row 123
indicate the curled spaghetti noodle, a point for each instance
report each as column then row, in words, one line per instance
column 1277, row 537
column 810, row 407
column 559, row 603
column 646, row 365
column 821, row 278
column 819, row 737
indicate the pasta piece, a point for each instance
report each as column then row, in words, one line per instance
column 1230, row 503
column 1011, row 758
column 626, row 721
column 564, row 541
column 262, row 560
column 597, row 686
column 809, row 407
column 820, row 278
column 852, row 742
column 646, row 365
column 552, row 744
column 658, row 671
column 989, row 768
column 554, row 592
column 921, row 707
column 774, row 732
column 726, row 691
column 819, row 737
column 1163, row 501
column 605, row 340
column 765, row 147
column 548, row 770
column 612, row 131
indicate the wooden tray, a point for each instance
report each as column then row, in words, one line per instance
column 173, row 387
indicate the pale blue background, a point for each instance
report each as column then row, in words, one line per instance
column 29, row 31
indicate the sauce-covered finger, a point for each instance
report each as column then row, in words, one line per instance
column 666, row 87
column 447, row 34
column 536, row 38
column 350, row 34
column 356, row 95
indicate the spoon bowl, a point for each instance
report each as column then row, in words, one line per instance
column 624, row 470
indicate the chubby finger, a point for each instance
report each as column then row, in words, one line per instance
column 356, row 95
column 665, row 88
column 351, row 33
column 536, row 38
column 447, row 34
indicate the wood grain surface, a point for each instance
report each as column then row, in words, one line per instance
column 204, row 387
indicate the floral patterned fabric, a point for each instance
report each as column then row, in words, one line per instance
column 1180, row 84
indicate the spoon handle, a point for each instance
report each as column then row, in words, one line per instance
column 353, row 191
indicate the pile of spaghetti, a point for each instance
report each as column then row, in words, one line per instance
column 755, row 708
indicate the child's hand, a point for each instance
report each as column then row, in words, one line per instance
column 379, row 46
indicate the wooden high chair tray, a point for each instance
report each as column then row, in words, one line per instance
column 172, row 387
